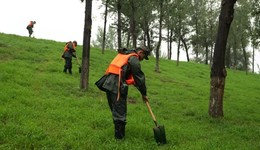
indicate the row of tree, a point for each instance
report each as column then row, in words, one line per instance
column 192, row 24
column 189, row 24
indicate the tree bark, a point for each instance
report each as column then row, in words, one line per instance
column 133, row 24
column 218, row 71
column 105, row 26
column 119, row 24
column 168, row 43
column 178, row 50
column 171, row 40
column 186, row 48
column 244, row 55
column 86, row 46
column 157, row 69
column 147, row 34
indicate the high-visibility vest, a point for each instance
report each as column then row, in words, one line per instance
column 66, row 48
column 116, row 65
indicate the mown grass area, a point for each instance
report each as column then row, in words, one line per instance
column 43, row 108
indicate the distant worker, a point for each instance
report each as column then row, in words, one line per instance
column 30, row 27
column 69, row 52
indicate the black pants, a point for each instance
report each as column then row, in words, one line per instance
column 68, row 65
column 117, row 107
column 119, row 111
column 30, row 30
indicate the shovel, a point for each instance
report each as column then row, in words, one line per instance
column 159, row 132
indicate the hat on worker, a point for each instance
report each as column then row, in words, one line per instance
column 145, row 50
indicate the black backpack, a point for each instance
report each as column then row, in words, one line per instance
column 125, row 51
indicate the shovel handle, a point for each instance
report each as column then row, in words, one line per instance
column 151, row 112
column 78, row 60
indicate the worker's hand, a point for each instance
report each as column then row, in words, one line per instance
column 145, row 98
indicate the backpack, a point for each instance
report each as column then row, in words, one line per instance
column 125, row 51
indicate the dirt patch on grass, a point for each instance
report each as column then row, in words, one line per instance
column 131, row 101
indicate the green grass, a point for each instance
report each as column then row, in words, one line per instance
column 43, row 108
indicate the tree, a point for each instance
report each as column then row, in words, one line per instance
column 157, row 69
column 237, row 56
column 111, row 41
column 105, row 26
column 255, row 28
column 218, row 71
column 145, row 20
column 191, row 24
column 119, row 23
column 84, row 80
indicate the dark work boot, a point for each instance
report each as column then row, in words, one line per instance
column 65, row 70
column 119, row 130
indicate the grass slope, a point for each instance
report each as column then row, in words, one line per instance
column 43, row 108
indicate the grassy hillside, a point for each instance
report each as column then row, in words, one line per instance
column 43, row 108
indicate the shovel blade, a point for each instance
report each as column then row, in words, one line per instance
column 159, row 134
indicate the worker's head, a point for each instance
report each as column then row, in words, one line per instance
column 143, row 52
column 75, row 43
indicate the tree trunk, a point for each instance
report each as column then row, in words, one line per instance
column 186, row 48
column 218, row 71
column 133, row 24
column 244, row 55
column 178, row 51
column 207, row 54
column 253, row 61
column 128, row 37
column 119, row 24
column 235, row 54
column 211, row 43
column 147, row 34
column 171, row 39
column 206, row 45
column 196, row 47
column 160, row 38
column 86, row 46
column 168, row 43
column 105, row 26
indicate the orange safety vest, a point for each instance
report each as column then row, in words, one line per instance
column 66, row 48
column 116, row 65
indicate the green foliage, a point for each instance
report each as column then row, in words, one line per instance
column 111, row 39
column 43, row 108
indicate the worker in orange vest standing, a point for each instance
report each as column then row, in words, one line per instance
column 69, row 52
column 124, row 70
column 30, row 27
